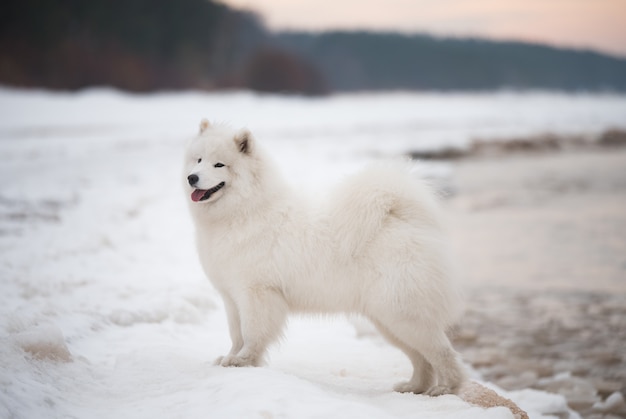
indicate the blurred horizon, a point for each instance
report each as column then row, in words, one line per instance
column 574, row 24
column 147, row 45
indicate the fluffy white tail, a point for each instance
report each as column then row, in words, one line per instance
column 365, row 203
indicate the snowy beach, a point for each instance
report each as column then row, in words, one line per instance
column 104, row 310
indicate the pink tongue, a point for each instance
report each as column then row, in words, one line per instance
column 197, row 194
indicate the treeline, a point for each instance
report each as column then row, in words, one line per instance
column 375, row 61
column 143, row 45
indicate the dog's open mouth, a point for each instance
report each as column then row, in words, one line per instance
column 204, row 194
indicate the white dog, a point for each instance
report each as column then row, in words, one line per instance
column 375, row 248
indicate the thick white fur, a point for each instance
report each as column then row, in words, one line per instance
column 374, row 248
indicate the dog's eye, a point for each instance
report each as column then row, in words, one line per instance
column 200, row 160
column 218, row 165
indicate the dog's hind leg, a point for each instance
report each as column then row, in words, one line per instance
column 446, row 363
column 436, row 350
column 423, row 374
column 262, row 313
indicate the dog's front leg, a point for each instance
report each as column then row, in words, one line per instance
column 234, row 327
column 262, row 314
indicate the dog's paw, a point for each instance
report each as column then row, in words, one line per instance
column 439, row 391
column 409, row 387
column 236, row 361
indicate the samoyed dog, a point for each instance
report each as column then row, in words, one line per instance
column 373, row 247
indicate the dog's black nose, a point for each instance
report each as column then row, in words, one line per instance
column 192, row 179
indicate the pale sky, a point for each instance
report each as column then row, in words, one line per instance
column 597, row 24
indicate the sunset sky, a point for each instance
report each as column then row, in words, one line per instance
column 597, row 24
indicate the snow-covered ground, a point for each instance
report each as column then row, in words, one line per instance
column 104, row 311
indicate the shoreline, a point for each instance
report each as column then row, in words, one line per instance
column 525, row 145
column 541, row 244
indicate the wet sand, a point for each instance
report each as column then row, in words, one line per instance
column 541, row 244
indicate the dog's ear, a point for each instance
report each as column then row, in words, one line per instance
column 244, row 141
column 204, row 124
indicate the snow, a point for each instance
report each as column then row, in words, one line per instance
column 104, row 311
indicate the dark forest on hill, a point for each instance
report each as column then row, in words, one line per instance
column 375, row 61
column 145, row 45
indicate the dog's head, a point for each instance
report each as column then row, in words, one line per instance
column 214, row 161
